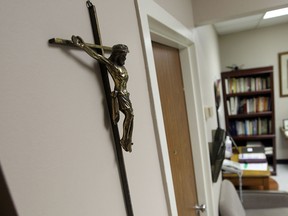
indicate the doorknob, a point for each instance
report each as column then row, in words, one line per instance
column 201, row 208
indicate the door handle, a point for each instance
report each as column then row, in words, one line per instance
column 201, row 208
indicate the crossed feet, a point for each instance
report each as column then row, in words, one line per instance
column 126, row 145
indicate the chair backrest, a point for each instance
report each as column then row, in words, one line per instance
column 229, row 202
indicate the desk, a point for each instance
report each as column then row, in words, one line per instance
column 259, row 179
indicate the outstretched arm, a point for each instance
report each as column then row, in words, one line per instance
column 78, row 41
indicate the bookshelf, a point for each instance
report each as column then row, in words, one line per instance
column 248, row 97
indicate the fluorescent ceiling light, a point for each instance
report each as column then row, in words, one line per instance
column 276, row 13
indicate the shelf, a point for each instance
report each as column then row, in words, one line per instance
column 251, row 115
column 252, row 72
column 254, row 137
column 251, row 90
column 251, row 93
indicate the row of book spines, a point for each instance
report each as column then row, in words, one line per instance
column 248, row 105
column 258, row 126
column 247, row 84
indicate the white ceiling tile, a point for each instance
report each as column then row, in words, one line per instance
column 247, row 23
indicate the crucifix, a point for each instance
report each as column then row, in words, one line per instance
column 118, row 99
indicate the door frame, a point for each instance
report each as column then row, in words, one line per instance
column 157, row 25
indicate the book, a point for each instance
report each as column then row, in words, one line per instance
column 255, row 154
column 254, row 144
column 254, row 149
column 228, row 107
column 254, row 166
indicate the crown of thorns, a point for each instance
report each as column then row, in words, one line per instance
column 120, row 48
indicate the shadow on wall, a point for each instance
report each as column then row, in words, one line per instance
column 7, row 207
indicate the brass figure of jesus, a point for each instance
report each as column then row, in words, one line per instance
column 120, row 95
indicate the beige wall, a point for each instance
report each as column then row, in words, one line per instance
column 56, row 146
column 180, row 9
column 209, row 71
column 207, row 11
column 209, row 66
column 255, row 49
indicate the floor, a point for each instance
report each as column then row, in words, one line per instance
column 281, row 177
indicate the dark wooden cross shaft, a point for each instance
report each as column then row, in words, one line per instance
column 97, row 47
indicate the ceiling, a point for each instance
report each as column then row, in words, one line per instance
column 247, row 23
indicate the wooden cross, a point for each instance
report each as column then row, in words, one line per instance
column 97, row 47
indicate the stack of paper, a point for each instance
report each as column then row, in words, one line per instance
column 253, row 158
column 254, row 166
